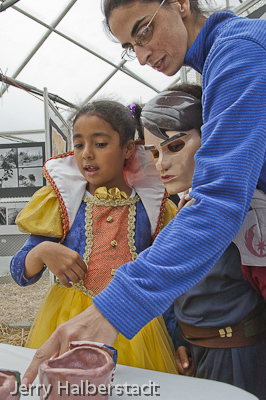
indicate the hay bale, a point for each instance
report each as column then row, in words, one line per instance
column 15, row 335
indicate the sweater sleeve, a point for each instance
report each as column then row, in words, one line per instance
column 17, row 265
column 227, row 168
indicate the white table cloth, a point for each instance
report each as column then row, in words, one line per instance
column 142, row 384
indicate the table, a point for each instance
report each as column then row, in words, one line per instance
column 160, row 385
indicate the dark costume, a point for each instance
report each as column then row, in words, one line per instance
column 221, row 300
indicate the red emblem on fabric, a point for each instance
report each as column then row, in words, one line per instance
column 261, row 245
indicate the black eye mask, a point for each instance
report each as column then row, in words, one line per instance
column 171, row 110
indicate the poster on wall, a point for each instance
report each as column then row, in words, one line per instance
column 57, row 130
column 8, row 213
column 21, row 168
column 58, row 140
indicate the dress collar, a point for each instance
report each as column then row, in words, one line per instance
column 63, row 175
column 88, row 194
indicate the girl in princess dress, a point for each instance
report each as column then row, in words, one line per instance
column 104, row 204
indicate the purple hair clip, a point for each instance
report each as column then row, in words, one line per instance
column 132, row 109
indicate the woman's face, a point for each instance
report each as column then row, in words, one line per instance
column 174, row 160
column 167, row 49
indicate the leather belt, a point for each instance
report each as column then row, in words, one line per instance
column 249, row 331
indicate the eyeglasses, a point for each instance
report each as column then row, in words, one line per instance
column 142, row 37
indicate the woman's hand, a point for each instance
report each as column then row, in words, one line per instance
column 60, row 260
column 184, row 361
column 89, row 325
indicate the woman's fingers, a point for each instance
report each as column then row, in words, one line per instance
column 49, row 348
column 88, row 325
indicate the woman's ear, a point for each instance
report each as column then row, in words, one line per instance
column 184, row 6
column 129, row 149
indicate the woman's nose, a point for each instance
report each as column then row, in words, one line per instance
column 143, row 54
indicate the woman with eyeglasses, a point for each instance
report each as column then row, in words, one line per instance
column 230, row 53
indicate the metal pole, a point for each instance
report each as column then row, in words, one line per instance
column 183, row 75
column 7, row 3
column 32, row 89
column 244, row 6
column 41, row 41
column 120, row 67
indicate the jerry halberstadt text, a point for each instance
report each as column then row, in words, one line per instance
column 86, row 388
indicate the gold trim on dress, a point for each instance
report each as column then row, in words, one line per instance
column 79, row 286
column 64, row 214
column 161, row 216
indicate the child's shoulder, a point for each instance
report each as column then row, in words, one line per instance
column 42, row 214
column 170, row 212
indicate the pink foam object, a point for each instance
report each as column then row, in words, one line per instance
column 8, row 384
column 84, row 362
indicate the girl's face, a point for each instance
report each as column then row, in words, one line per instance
column 98, row 153
column 175, row 159
column 167, row 49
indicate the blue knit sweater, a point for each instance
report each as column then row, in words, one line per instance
column 230, row 53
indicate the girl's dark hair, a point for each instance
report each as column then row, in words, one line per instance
column 135, row 110
column 109, row 5
column 115, row 114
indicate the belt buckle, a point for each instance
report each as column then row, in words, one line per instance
column 227, row 332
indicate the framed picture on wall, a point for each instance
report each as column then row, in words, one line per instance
column 3, row 215
column 58, row 140
column 57, row 131
column 9, row 209
column 21, row 168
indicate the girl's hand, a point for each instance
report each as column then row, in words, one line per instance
column 60, row 260
column 184, row 199
column 184, row 361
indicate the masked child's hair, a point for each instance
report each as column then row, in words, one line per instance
column 115, row 114
column 175, row 109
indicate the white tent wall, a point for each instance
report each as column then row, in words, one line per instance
column 55, row 44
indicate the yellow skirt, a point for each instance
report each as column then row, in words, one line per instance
column 151, row 348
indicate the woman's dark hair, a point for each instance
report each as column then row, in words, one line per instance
column 115, row 114
column 109, row 5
